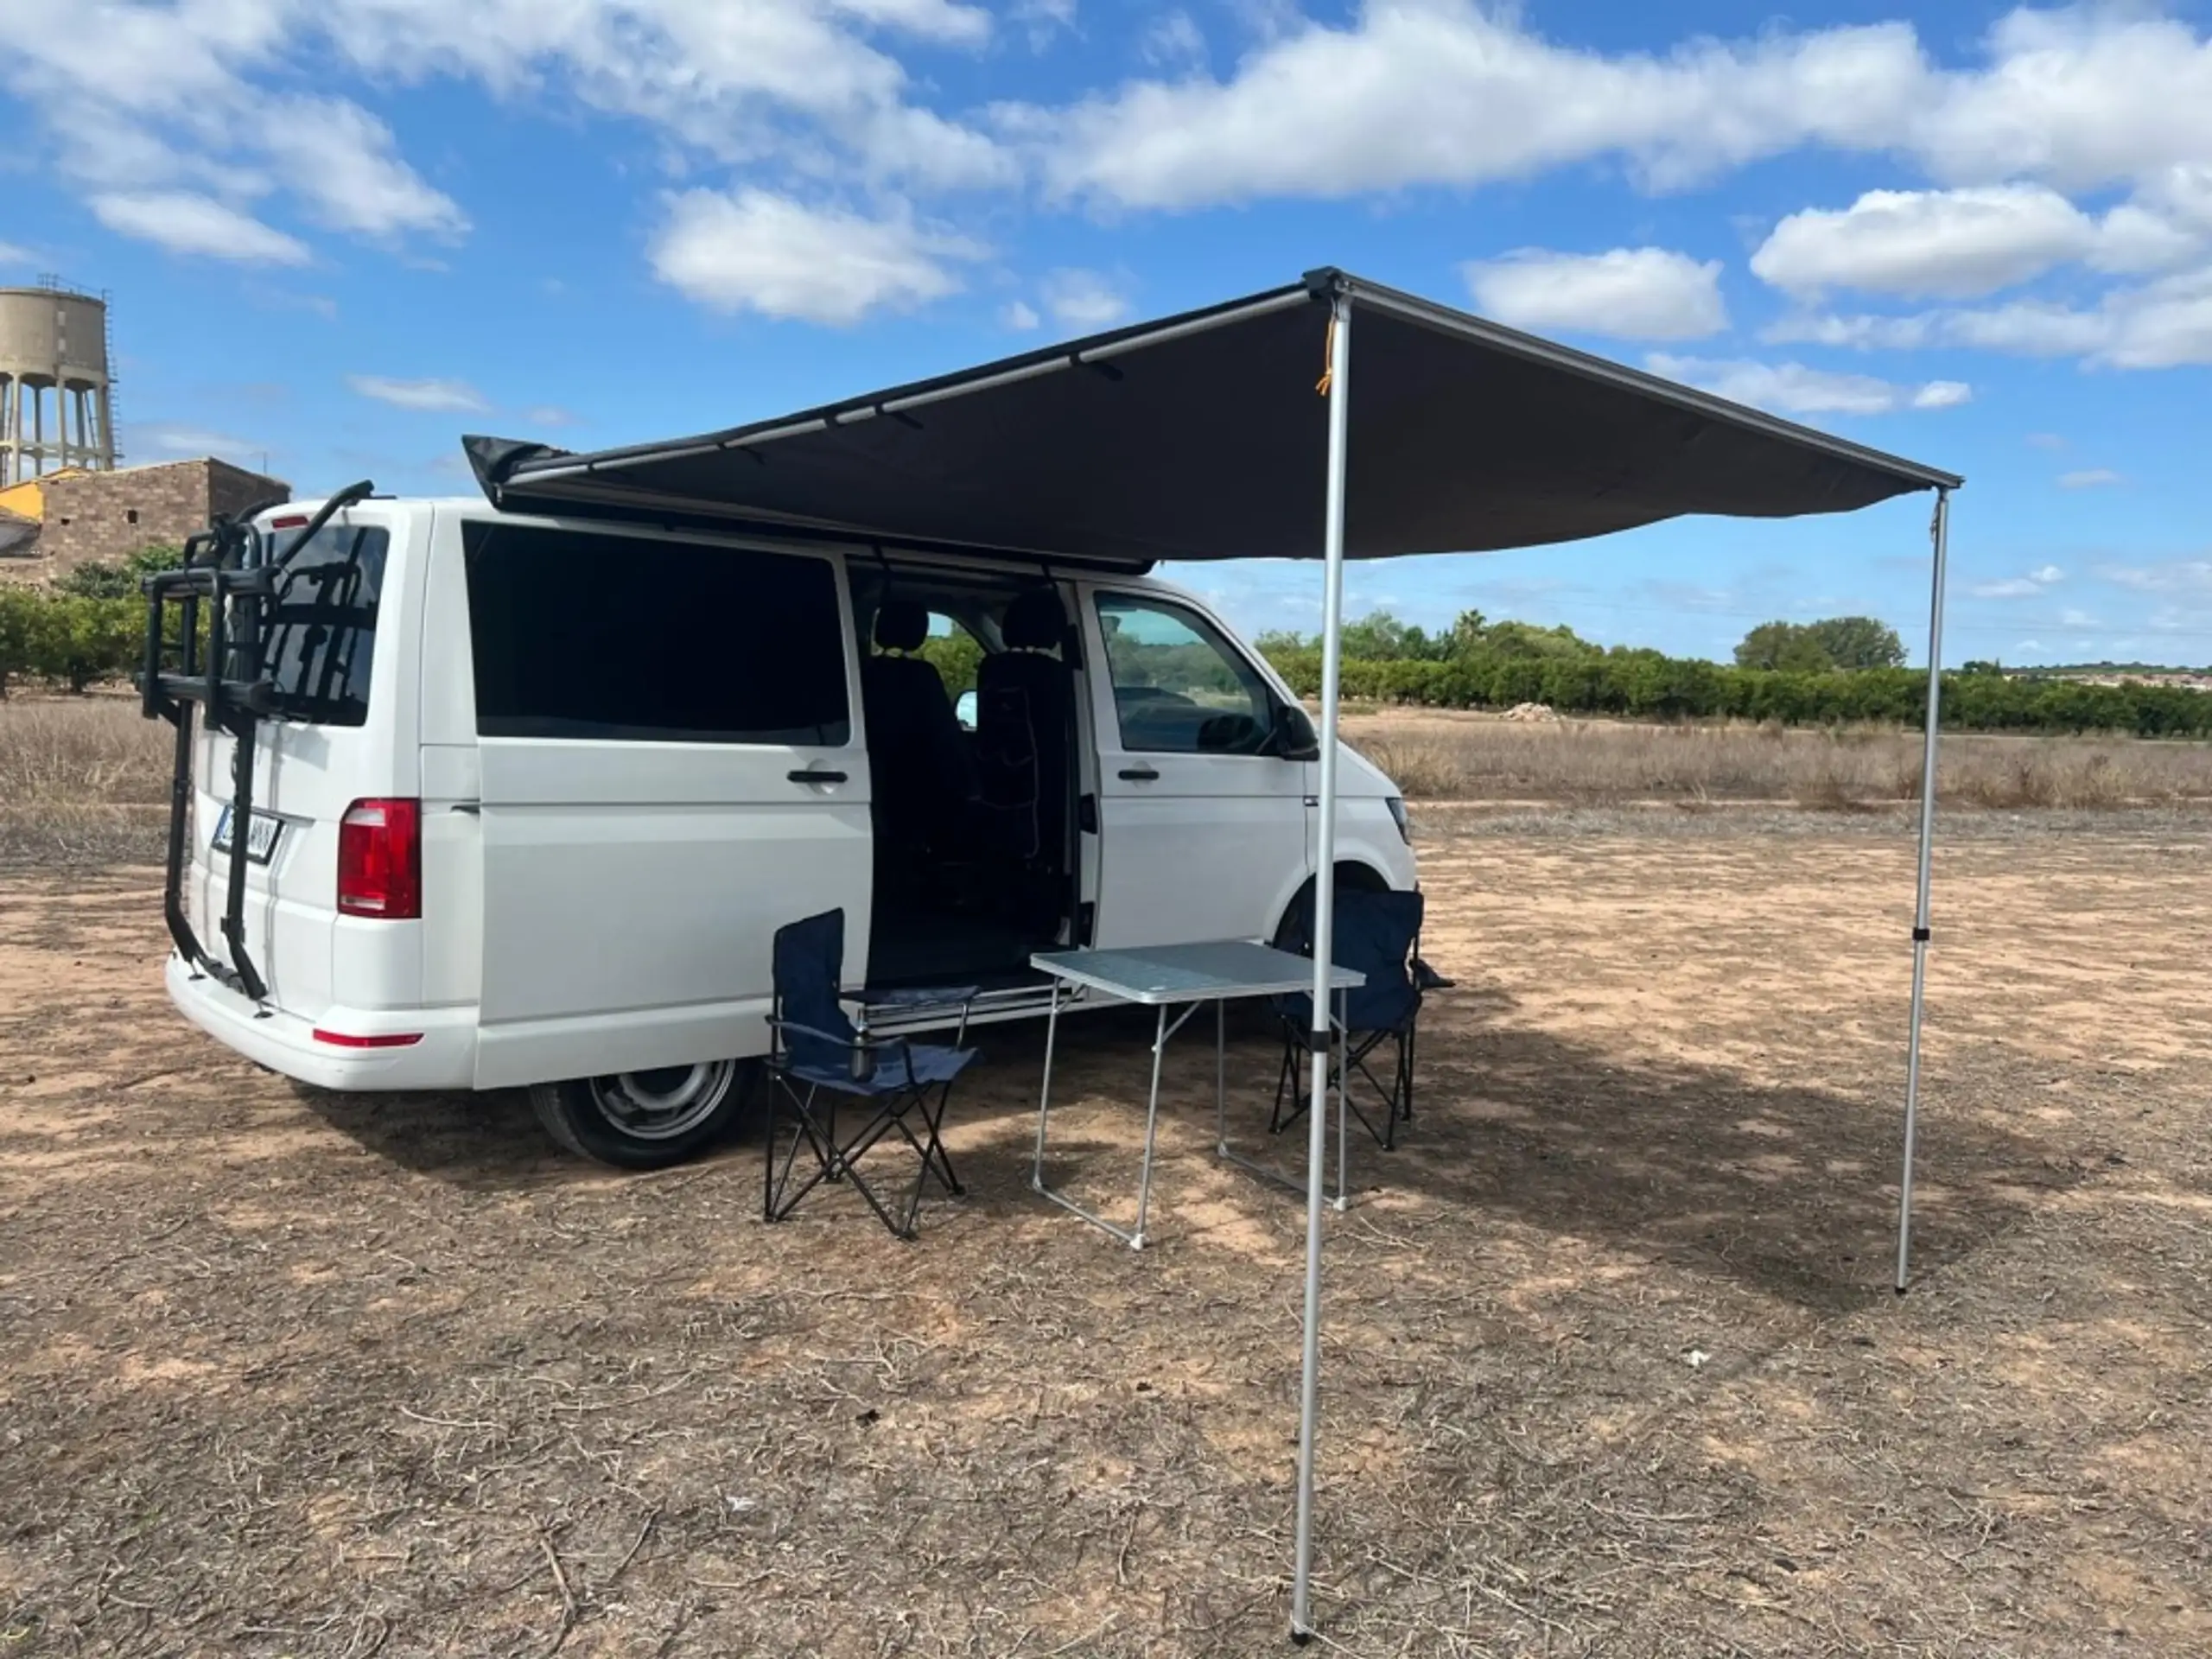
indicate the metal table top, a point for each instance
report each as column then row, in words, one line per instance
column 1160, row 973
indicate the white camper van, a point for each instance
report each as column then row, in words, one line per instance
column 527, row 797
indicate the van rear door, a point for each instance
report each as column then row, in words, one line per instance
column 673, row 768
column 342, row 734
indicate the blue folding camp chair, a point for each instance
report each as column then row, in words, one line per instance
column 818, row 1061
column 1378, row 934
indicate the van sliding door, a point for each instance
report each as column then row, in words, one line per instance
column 672, row 769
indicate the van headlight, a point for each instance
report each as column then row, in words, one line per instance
column 1397, row 805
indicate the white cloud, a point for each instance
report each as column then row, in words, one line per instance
column 1084, row 300
column 1794, row 389
column 2050, row 440
column 136, row 98
column 2174, row 576
column 2070, row 618
column 2027, row 586
column 1458, row 92
column 2090, row 478
column 1942, row 394
column 755, row 250
column 1628, row 293
column 342, row 162
column 443, row 396
column 1860, row 332
column 1959, row 243
column 1174, row 40
column 185, row 223
column 171, row 438
column 548, row 414
column 1950, row 243
column 12, row 255
column 2155, row 325
column 1019, row 315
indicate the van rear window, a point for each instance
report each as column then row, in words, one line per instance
column 584, row 635
column 323, row 625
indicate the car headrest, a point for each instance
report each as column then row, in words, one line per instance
column 1035, row 621
column 901, row 625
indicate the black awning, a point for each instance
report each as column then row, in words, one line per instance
column 1202, row 436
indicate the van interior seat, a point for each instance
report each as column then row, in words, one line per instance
column 924, row 772
column 1024, row 707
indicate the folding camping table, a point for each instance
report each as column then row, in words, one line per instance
column 1165, row 977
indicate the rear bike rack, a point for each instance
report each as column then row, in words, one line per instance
column 227, row 569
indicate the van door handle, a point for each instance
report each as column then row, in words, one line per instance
column 474, row 808
column 815, row 775
column 1139, row 774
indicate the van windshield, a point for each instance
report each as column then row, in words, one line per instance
column 322, row 633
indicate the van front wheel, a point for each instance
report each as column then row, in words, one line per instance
column 642, row 1120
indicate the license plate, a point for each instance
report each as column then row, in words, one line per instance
column 260, row 836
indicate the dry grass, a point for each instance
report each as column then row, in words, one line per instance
column 93, row 756
column 1612, row 1366
column 1469, row 758
column 84, row 781
column 95, row 751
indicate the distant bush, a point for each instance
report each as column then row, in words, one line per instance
column 1646, row 685
column 67, row 639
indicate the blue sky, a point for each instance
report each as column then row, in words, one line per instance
column 340, row 232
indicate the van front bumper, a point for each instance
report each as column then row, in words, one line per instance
column 444, row 1058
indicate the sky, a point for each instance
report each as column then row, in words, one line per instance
column 340, row 233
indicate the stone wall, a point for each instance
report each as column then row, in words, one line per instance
column 110, row 516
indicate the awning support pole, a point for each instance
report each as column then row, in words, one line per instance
column 1324, row 914
column 1940, row 532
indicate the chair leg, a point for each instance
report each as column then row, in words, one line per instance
column 777, row 1199
column 1286, row 1084
column 1408, row 1040
column 931, row 1149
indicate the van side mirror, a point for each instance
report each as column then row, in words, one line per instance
column 1294, row 737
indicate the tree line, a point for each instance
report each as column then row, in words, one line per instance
column 1843, row 671
column 87, row 627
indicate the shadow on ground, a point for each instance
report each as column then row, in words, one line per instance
column 1791, row 1189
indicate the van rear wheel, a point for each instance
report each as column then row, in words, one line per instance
column 642, row 1120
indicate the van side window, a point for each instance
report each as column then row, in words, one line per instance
column 1178, row 687
column 583, row 635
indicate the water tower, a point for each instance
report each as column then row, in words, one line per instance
column 55, row 410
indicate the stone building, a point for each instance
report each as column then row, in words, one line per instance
column 84, row 516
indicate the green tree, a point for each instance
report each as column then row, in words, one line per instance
column 1380, row 637
column 20, row 619
column 1858, row 642
column 1788, row 647
column 955, row 657
column 1527, row 640
column 1470, row 633
column 98, row 579
column 78, row 640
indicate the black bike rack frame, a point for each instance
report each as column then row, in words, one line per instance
column 225, row 569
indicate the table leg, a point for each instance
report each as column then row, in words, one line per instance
column 1044, row 1094
column 1151, row 1128
column 1343, row 1045
column 1221, row 1074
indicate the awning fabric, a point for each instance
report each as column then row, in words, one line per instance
column 1201, row 437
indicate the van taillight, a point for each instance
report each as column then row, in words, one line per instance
column 381, row 860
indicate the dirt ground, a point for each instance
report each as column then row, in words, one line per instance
column 1612, row 1364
